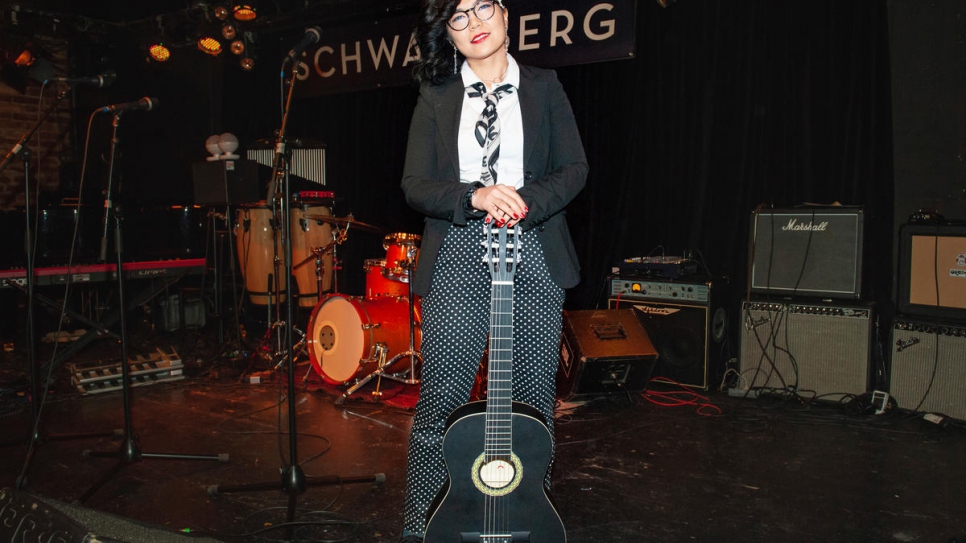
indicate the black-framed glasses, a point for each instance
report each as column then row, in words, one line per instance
column 461, row 19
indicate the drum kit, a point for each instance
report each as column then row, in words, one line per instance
column 350, row 340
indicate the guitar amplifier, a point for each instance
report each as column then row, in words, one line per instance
column 603, row 352
column 815, row 348
column 808, row 251
column 928, row 370
column 684, row 321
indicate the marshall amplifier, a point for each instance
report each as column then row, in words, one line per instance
column 603, row 351
column 807, row 251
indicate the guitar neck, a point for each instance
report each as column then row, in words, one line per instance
column 499, row 435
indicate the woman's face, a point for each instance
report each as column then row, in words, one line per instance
column 480, row 39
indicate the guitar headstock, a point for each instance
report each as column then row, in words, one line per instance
column 502, row 251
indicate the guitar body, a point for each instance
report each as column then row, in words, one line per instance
column 466, row 506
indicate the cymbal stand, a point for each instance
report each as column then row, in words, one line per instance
column 408, row 376
column 293, row 480
column 130, row 451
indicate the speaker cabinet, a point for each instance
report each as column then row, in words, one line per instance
column 813, row 251
column 603, row 351
column 222, row 182
column 682, row 322
column 932, row 271
column 820, row 349
column 928, row 367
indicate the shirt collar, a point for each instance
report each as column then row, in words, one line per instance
column 512, row 73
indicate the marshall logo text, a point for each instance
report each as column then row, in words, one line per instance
column 793, row 225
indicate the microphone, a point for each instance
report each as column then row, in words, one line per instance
column 147, row 104
column 311, row 36
column 98, row 81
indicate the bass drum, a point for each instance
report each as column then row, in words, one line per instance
column 348, row 337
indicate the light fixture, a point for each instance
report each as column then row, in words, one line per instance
column 221, row 13
column 25, row 59
column 247, row 64
column 228, row 144
column 211, row 144
column 209, row 45
column 159, row 52
column 237, row 47
column 228, row 31
column 244, row 12
column 222, row 146
column 17, row 64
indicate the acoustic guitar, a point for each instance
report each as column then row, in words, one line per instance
column 497, row 451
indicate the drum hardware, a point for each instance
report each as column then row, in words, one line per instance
column 347, row 222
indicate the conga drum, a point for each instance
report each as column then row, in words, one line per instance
column 308, row 234
column 256, row 244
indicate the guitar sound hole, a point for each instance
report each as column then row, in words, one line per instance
column 497, row 473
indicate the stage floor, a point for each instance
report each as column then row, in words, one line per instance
column 627, row 470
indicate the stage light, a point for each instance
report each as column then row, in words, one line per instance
column 221, row 13
column 26, row 58
column 159, row 52
column 209, row 45
column 247, row 64
column 244, row 12
column 228, row 31
column 237, row 47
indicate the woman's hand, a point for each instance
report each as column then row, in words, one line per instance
column 501, row 203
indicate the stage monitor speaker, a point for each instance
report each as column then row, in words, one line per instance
column 602, row 352
column 808, row 251
column 932, row 271
column 684, row 324
column 928, row 367
column 221, row 182
column 816, row 348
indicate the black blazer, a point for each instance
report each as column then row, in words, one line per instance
column 555, row 170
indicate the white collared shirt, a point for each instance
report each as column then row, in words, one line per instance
column 509, row 167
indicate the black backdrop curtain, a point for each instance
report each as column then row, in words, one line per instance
column 726, row 106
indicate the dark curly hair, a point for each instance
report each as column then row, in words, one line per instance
column 432, row 42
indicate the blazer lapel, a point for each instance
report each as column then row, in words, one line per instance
column 530, row 92
column 449, row 106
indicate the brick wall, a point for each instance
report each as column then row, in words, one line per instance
column 49, row 145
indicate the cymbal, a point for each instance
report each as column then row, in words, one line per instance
column 343, row 222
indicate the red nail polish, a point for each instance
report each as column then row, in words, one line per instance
column 515, row 216
column 487, row 221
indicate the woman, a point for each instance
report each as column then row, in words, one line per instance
column 469, row 163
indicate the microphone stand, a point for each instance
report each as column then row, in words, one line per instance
column 37, row 390
column 130, row 450
column 293, row 479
